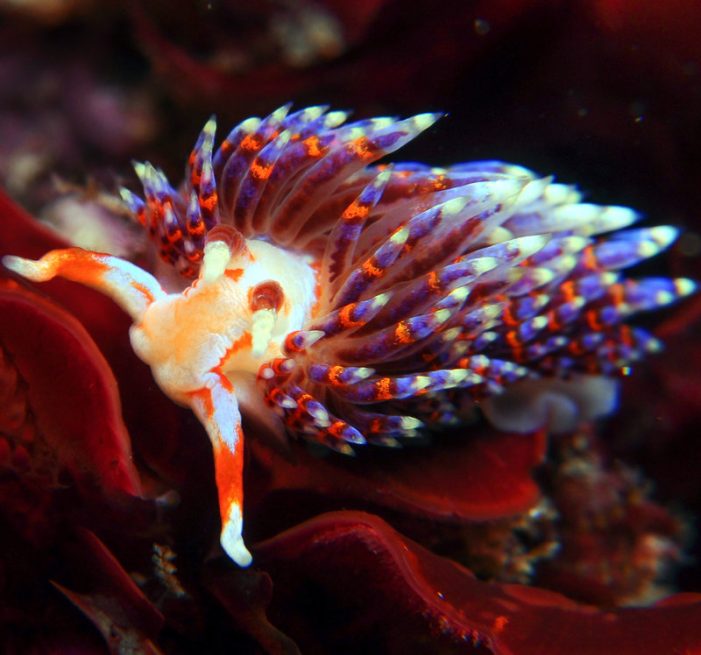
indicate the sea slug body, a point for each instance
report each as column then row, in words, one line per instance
column 350, row 303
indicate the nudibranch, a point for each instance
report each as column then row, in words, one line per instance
column 349, row 303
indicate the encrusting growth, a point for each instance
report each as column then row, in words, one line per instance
column 362, row 303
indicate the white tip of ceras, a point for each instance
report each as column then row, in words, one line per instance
column 232, row 540
column 529, row 245
column 684, row 286
column 335, row 118
column 210, row 127
column 422, row 122
column 140, row 169
column 533, row 191
column 663, row 235
column 216, row 257
column 32, row 270
column 250, row 125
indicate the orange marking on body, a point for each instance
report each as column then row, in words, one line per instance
column 233, row 273
column 143, row 291
column 223, row 380
column 383, row 388
column 244, row 341
column 371, row 270
column 312, row 147
column 402, row 333
column 205, row 396
column 261, row 171
column 228, row 467
column 355, row 212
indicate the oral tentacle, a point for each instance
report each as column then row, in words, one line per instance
column 132, row 288
column 216, row 407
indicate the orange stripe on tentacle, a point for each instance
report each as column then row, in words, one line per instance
column 143, row 290
column 78, row 265
column 110, row 275
column 205, row 397
column 228, row 467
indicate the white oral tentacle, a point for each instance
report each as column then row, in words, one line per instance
column 216, row 257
